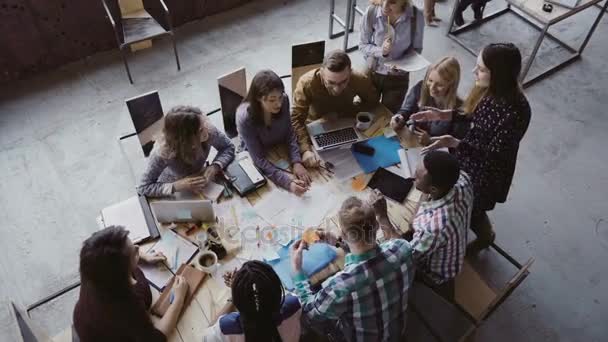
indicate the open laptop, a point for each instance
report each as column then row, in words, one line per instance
column 330, row 134
column 167, row 211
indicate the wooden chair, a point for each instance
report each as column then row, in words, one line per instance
column 305, row 57
column 232, row 89
column 26, row 329
column 148, row 118
column 479, row 292
column 129, row 31
column 431, row 317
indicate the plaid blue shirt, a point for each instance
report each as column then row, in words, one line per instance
column 440, row 232
column 368, row 298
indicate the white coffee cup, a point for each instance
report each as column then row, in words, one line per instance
column 207, row 261
column 364, row 121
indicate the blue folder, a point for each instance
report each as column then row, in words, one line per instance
column 384, row 156
column 316, row 258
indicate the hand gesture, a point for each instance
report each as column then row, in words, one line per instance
column 229, row 277
column 300, row 172
column 441, row 142
column 211, row 171
column 309, row 159
column 387, row 46
column 432, row 114
column 298, row 187
column 153, row 257
column 193, row 184
column 327, row 237
column 180, row 288
column 423, row 136
column 397, row 122
column 296, row 251
column 378, row 202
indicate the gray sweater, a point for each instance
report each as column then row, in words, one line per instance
column 259, row 138
column 161, row 172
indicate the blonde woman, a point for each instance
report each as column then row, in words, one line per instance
column 179, row 157
column 500, row 115
column 389, row 30
column 438, row 89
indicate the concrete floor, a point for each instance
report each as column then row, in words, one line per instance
column 61, row 163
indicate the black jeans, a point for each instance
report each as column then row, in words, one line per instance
column 482, row 227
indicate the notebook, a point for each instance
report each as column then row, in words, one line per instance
column 316, row 258
column 194, row 277
column 135, row 215
column 243, row 174
column 391, row 185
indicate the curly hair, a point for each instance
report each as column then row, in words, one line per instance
column 182, row 126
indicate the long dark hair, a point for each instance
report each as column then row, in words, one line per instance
column 105, row 263
column 258, row 294
column 263, row 83
column 504, row 62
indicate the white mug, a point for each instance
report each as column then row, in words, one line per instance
column 207, row 267
column 364, row 121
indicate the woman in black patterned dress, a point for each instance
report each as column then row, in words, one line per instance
column 500, row 115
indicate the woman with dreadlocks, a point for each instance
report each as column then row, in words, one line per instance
column 259, row 310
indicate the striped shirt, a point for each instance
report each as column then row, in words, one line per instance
column 440, row 232
column 368, row 298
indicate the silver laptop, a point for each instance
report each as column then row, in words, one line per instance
column 167, row 211
column 330, row 134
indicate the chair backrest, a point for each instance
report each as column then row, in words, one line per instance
column 148, row 118
column 305, row 57
column 27, row 331
column 113, row 12
column 233, row 89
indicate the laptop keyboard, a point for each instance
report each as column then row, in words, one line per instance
column 337, row 137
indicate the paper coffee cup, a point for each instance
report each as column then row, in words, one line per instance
column 364, row 121
column 207, row 262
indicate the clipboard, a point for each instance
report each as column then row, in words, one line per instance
column 178, row 251
column 194, row 277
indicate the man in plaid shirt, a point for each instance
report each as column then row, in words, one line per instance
column 440, row 226
column 367, row 301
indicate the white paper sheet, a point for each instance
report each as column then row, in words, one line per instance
column 411, row 62
column 130, row 215
column 345, row 164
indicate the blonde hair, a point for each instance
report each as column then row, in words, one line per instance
column 357, row 220
column 404, row 3
column 448, row 69
column 182, row 126
column 475, row 96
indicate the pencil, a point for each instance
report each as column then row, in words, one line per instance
column 175, row 258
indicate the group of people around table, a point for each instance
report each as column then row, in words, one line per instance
column 368, row 299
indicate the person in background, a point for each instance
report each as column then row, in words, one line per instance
column 476, row 5
column 438, row 89
column 389, row 30
column 180, row 155
column 114, row 294
column 263, row 121
column 500, row 118
column 430, row 17
column 330, row 89
column 259, row 310
column 441, row 223
column 368, row 299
